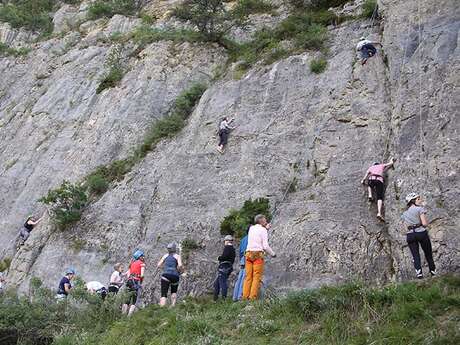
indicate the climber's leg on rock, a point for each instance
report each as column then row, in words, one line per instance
column 414, row 249
column 425, row 243
column 378, row 188
column 369, row 190
column 223, row 139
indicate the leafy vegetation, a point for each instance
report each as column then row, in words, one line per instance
column 6, row 50
column 69, row 200
column 108, row 8
column 116, row 70
column 318, row 65
column 5, row 264
column 28, row 14
column 415, row 313
column 188, row 245
column 238, row 221
column 370, row 9
column 212, row 18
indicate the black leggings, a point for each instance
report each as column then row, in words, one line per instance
column 422, row 238
column 223, row 137
column 378, row 188
column 168, row 280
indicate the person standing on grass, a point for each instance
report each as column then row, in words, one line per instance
column 224, row 131
column 172, row 267
column 225, row 268
column 255, row 252
column 415, row 222
column 136, row 274
column 238, row 291
column 376, row 183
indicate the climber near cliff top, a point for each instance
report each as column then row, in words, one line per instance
column 376, row 182
column 415, row 222
column 255, row 252
column 25, row 231
column 134, row 283
column 366, row 48
column 225, row 268
column 224, row 131
column 172, row 266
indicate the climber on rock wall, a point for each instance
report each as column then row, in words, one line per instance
column 366, row 48
column 376, row 183
column 415, row 222
column 224, row 131
column 225, row 268
column 238, row 290
column 134, row 283
column 255, row 252
column 172, row 268
column 25, row 231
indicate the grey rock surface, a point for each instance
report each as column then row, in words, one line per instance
column 323, row 130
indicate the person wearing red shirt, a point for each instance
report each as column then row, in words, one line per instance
column 134, row 283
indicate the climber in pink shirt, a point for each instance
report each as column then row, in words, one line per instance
column 376, row 182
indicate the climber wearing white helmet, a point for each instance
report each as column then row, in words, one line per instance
column 366, row 48
column 172, row 268
column 415, row 222
column 225, row 268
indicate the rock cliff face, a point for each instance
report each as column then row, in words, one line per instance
column 322, row 131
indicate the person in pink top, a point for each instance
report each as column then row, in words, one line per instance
column 255, row 252
column 376, row 183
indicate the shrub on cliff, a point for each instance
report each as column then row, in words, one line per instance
column 108, row 8
column 237, row 222
column 67, row 203
column 29, row 14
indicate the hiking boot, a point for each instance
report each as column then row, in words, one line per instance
column 419, row 274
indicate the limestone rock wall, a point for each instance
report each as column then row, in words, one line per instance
column 321, row 130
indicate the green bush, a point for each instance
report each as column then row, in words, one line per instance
column 97, row 184
column 246, row 7
column 28, row 14
column 116, row 70
column 318, row 65
column 67, row 202
column 144, row 35
column 238, row 221
column 6, row 50
column 313, row 38
column 5, row 264
column 368, row 9
column 108, row 8
column 175, row 121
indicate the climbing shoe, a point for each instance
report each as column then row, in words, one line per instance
column 433, row 273
column 369, row 199
column 419, row 274
column 380, row 217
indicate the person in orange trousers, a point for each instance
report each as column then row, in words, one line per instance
column 255, row 252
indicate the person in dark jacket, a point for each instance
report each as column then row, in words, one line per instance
column 25, row 231
column 226, row 261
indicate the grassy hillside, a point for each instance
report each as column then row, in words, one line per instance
column 426, row 312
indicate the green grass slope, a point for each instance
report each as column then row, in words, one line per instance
column 426, row 312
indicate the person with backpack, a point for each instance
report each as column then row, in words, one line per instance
column 376, row 182
column 172, row 268
column 238, row 290
column 225, row 268
column 95, row 287
column 366, row 48
column 415, row 222
column 255, row 253
column 116, row 279
column 27, row 228
column 134, row 283
column 224, row 131
column 65, row 284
